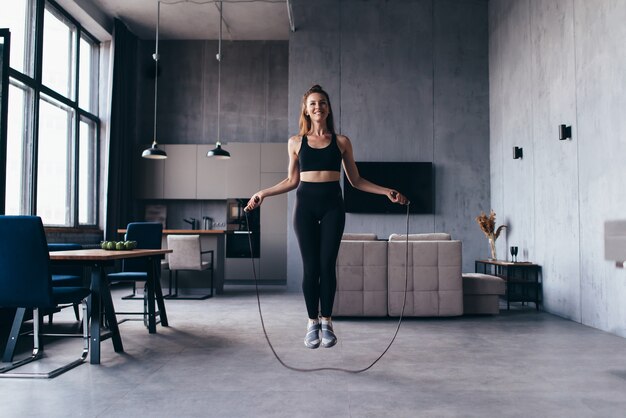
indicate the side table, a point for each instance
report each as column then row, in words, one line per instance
column 523, row 281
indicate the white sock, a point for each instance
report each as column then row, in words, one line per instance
column 313, row 321
column 325, row 321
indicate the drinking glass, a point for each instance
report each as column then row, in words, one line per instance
column 513, row 250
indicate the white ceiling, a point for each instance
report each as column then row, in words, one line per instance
column 199, row 19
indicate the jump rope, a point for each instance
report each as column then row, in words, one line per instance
column 339, row 369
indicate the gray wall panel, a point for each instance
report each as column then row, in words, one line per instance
column 554, row 102
column 376, row 60
column 461, row 122
column 387, row 80
column 314, row 56
column 387, row 93
column 600, row 34
column 254, row 91
column 497, row 83
column 565, row 61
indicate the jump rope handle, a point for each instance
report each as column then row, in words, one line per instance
column 256, row 200
column 394, row 194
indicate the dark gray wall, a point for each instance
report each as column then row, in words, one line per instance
column 408, row 81
column 254, row 92
column 253, row 103
column 558, row 62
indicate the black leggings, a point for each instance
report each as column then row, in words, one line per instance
column 318, row 219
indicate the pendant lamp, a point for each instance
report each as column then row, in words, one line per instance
column 218, row 152
column 154, row 152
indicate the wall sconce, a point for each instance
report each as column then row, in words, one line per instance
column 518, row 153
column 565, row 132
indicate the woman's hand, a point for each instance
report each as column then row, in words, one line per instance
column 254, row 202
column 397, row 197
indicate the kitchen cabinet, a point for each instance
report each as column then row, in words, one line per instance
column 243, row 168
column 171, row 178
column 148, row 176
column 210, row 175
column 179, row 177
column 274, row 157
column 273, row 231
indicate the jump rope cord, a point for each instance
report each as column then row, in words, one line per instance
column 339, row 369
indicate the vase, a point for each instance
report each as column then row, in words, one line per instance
column 492, row 248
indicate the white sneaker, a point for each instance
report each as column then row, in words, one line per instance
column 312, row 338
column 329, row 338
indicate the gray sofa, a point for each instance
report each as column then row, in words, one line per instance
column 361, row 276
column 371, row 276
column 435, row 285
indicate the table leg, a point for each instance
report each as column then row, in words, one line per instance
column 156, row 265
column 218, row 265
column 150, row 290
column 101, row 295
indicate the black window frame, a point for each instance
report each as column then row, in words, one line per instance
column 35, row 83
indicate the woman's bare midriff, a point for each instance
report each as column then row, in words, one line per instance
column 320, row 176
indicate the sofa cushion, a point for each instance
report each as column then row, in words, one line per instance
column 482, row 284
column 361, row 278
column 434, row 286
column 435, row 236
column 358, row 237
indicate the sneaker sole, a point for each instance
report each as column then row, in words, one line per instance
column 312, row 346
column 330, row 344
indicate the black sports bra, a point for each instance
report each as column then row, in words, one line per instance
column 320, row 159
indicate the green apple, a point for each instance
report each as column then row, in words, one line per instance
column 104, row 245
column 111, row 245
column 119, row 245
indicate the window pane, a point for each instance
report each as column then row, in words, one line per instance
column 54, row 164
column 16, row 16
column 18, row 144
column 88, row 75
column 58, row 54
column 87, row 179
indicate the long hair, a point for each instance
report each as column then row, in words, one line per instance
column 305, row 120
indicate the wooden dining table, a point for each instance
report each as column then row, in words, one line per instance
column 98, row 260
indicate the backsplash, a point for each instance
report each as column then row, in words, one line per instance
column 179, row 210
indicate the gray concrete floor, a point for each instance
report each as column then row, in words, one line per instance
column 213, row 361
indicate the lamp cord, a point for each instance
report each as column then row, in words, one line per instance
column 339, row 369
column 156, row 71
column 219, row 77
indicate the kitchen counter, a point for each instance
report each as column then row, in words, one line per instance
column 186, row 231
column 212, row 239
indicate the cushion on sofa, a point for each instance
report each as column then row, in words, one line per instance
column 361, row 279
column 434, row 285
column 350, row 236
column 435, row 236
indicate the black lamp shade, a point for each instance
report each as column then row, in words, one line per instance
column 154, row 153
column 218, row 153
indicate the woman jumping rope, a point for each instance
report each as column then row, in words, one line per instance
column 315, row 158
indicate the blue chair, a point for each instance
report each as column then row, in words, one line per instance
column 66, row 276
column 148, row 236
column 26, row 283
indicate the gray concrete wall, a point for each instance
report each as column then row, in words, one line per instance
column 408, row 81
column 555, row 62
column 253, row 92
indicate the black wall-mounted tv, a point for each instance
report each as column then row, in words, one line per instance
column 413, row 179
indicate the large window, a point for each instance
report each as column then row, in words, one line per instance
column 52, row 145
